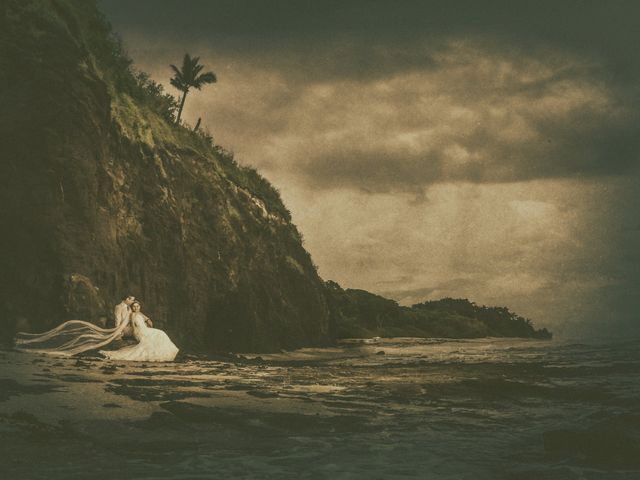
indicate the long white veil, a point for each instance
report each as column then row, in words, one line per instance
column 70, row 338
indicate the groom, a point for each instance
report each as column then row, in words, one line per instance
column 122, row 313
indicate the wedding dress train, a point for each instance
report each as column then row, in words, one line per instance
column 68, row 339
column 153, row 345
column 76, row 336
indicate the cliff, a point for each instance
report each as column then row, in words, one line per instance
column 102, row 194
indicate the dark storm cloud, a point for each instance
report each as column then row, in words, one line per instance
column 609, row 29
column 586, row 47
column 591, row 24
column 483, row 116
column 559, row 151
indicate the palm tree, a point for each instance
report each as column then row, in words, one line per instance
column 189, row 76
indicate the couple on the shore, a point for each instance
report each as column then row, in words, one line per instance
column 77, row 336
column 153, row 344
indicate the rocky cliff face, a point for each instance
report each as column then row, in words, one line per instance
column 101, row 196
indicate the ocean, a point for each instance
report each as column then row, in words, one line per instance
column 366, row 409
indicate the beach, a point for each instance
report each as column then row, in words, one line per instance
column 367, row 408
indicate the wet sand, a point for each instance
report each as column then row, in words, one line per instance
column 398, row 408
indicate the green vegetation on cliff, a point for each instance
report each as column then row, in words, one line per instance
column 358, row 313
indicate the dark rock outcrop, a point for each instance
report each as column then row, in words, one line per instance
column 101, row 196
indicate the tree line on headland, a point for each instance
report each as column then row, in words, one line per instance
column 361, row 314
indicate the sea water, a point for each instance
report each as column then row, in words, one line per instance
column 365, row 409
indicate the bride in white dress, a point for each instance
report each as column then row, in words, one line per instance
column 153, row 345
column 76, row 336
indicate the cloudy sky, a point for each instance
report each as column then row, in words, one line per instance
column 479, row 149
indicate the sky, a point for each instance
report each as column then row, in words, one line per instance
column 486, row 150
